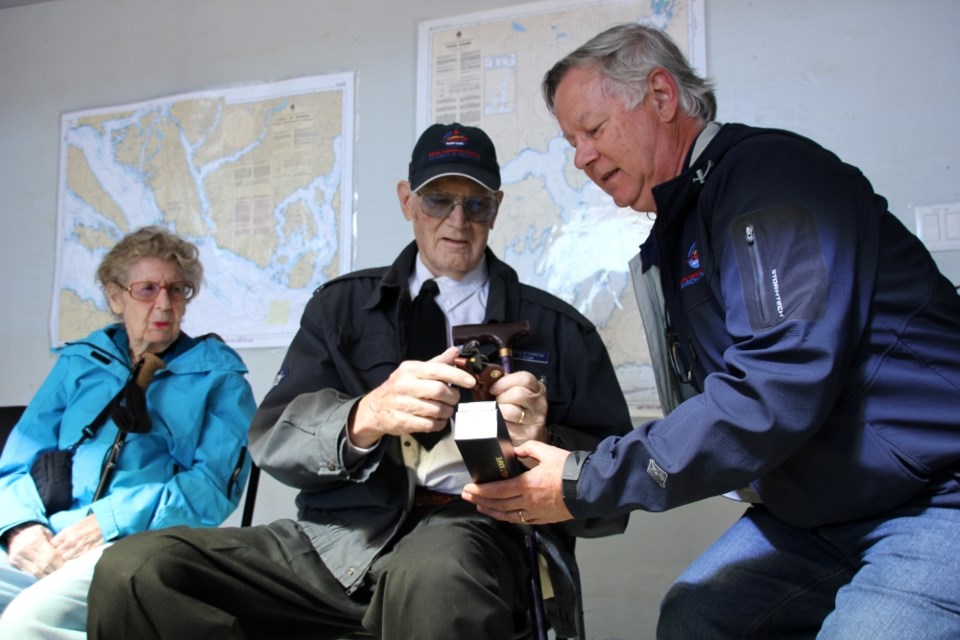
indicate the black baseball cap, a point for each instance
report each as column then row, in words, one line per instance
column 454, row 150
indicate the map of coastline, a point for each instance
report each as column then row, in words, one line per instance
column 557, row 228
column 257, row 177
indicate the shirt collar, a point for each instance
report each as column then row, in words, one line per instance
column 452, row 292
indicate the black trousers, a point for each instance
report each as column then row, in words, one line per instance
column 453, row 574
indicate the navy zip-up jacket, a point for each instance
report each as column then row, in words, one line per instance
column 823, row 339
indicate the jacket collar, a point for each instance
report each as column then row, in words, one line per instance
column 392, row 286
column 109, row 348
column 678, row 195
column 503, row 305
column 681, row 192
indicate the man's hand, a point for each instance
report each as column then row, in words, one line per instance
column 29, row 548
column 534, row 497
column 79, row 538
column 523, row 403
column 417, row 398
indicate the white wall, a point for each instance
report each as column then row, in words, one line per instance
column 877, row 81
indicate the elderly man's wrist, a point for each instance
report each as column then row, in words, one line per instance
column 355, row 434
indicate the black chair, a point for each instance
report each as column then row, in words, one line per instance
column 9, row 416
column 253, row 481
column 247, row 519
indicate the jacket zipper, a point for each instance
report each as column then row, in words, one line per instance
column 761, row 298
column 676, row 357
column 236, row 473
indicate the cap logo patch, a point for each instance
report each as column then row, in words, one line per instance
column 455, row 138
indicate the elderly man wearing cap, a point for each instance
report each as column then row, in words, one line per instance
column 357, row 421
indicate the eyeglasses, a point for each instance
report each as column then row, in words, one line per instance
column 438, row 204
column 147, row 291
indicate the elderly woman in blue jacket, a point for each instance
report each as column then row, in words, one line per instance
column 182, row 457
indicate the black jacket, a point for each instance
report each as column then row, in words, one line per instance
column 351, row 339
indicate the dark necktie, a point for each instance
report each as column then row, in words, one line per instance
column 427, row 338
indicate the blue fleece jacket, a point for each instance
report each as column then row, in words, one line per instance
column 189, row 469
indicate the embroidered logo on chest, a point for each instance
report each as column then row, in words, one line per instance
column 691, row 272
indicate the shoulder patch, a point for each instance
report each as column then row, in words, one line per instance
column 281, row 376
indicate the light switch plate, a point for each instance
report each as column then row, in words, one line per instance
column 938, row 226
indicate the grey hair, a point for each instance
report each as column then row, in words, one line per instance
column 150, row 242
column 625, row 55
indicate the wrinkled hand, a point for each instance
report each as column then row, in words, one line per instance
column 78, row 538
column 418, row 397
column 523, row 403
column 534, row 497
column 29, row 548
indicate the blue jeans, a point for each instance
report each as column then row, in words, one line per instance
column 892, row 577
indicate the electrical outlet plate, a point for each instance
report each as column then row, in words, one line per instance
column 938, row 226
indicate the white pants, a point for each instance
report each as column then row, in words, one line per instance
column 50, row 608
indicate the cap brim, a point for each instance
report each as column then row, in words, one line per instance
column 485, row 179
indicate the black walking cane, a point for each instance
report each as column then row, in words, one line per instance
column 502, row 336
column 130, row 414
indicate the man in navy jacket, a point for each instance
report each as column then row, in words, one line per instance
column 822, row 347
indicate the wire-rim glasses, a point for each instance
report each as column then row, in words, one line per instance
column 147, row 290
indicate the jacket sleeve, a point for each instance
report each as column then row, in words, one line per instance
column 37, row 430
column 785, row 348
column 297, row 433
column 586, row 406
column 208, row 485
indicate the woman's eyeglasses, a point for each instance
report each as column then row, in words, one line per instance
column 147, row 291
column 438, row 204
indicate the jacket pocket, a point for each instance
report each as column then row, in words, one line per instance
column 782, row 270
column 372, row 357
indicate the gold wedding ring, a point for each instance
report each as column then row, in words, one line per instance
column 520, row 513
